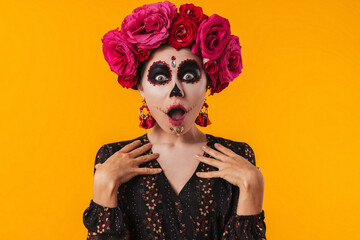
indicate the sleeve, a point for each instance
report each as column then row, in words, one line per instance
column 104, row 223
column 249, row 227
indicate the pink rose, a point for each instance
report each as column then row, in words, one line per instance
column 147, row 26
column 127, row 81
column 120, row 55
column 182, row 32
column 212, row 36
column 230, row 62
column 193, row 13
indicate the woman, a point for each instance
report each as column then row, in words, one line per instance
column 175, row 182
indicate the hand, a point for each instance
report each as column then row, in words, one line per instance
column 119, row 168
column 123, row 164
column 234, row 169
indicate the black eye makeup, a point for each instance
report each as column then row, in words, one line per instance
column 189, row 71
column 159, row 73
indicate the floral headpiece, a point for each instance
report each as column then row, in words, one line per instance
column 152, row 25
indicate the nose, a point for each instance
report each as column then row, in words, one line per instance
column 176, row 92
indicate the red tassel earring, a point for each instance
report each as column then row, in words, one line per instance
column 146, row 120
column 203, row 118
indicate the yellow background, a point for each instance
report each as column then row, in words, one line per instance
column 296, row 104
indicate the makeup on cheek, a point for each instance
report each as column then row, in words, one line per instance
column 189, row 71
column 159, row 73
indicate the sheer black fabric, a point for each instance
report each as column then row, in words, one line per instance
column 149, row 208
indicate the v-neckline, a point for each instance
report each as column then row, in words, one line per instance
column 164, row 176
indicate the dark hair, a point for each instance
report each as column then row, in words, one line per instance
column 140, row 73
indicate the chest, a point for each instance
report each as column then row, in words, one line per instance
column 179, row 164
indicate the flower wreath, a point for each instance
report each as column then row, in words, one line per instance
column 152, row 25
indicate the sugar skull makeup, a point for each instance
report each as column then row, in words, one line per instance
column 189, row 71
column 159, row 73
column 172, row 100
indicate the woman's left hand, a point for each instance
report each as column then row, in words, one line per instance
column 234, row 169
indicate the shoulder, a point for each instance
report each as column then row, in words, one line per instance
column 116, row 146
column 241, row 148
column 109, row 149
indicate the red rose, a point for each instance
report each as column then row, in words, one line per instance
column 219, row 87
column 193, row 13
column 182, row 32
column 211, row 67
column 143, row 54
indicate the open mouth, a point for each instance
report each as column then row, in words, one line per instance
column 176, row 114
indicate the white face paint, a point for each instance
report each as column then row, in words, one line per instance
column 158, row 88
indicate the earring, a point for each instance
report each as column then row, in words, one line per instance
column 203, row 118
column 146, row 120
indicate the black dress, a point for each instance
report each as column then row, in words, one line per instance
column 148, row 207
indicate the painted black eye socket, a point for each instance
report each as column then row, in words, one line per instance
column 189, row 71
column 159, row 73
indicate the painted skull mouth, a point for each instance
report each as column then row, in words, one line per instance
column 176, row 112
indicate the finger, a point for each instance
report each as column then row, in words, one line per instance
column 214, row 153
column 225, row 150
column 211, row 174
column 210, row 161
column 130, row 146
column 146, row 158
column 144, row 171
column 140, row 150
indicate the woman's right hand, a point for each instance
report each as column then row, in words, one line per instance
column 122, row 166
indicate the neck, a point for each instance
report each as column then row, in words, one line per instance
column 158, row 136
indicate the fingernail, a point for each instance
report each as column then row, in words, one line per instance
column 197, row 155
column 217, row 145
column 204, row 147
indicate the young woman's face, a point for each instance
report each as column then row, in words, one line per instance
column 174, row 86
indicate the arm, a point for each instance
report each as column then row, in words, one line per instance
column 102, row 222
column 247, row 222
